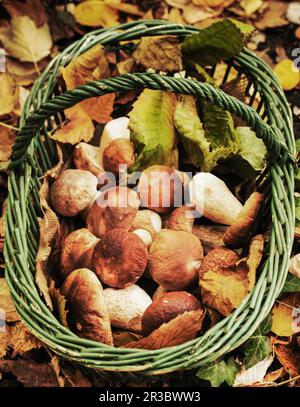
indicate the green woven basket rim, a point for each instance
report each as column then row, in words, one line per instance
column 20, row 221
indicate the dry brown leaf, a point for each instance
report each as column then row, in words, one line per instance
column 99, row 108
column 271, row 377
column 78, row 127
column 161, row 53
column 175, row 332
column 195, row 14
column 8, row 94
column 6, row 303
column 24, row 73
column 289, row 359
column 7, row 139
column 59, row 303
column 125, row 7
column 286, row 315
column 30, row 8
column 274, row 16
column 30, row 374
column 93, row 13
column 122, row 338
column 18, row 339
column 225, row 280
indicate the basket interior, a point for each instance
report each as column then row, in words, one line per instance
column 24, row 207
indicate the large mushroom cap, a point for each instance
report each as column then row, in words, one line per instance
column 88, row 315
column 174, row 259
column 73, row 191
column 120, row 258
column 243, row 229
column 167, row 307
column 77, row 251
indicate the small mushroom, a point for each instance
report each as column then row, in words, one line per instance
column 88, row 315
column 211, row 197
column 118, row 152
column 148, row 220
column 160, row 188
column 167, row 307
column 144, row 235
column 243, row 229
column 174, row 259
column 73, row 191
column 113, row 130
column 87, row 157
column 114, row 208
column 77, row 251
column 181, row 218
column 120, row 258
column 126, row 306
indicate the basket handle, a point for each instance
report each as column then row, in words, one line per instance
column 276, row 148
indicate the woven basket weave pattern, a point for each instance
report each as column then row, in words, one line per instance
column 34, row 153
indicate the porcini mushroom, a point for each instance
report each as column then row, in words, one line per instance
column 113, row 130
column 174, row 259
column 77, row 251
column 144, row 235
column 167, row 307
column 88, row 315
column 120, row 258
column 114, row 208
column 73, row 191
column 126, row 306
column 148, row 220
column 87, row 157
column 242, row 230
column 118, row 152
column 160, row 188
column 181, row 218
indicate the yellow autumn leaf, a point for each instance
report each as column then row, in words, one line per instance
column 8, row 94
column 95, row 13
column 209, row 3
column 24, row 41
column 79, row 127
column 288, row 75
column 125, row 7
column 285, row 315
column 251, row 6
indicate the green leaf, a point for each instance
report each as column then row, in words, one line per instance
column 297, row 183
column 152, row 128
column 258, row 346
column 204, row 147
column 220, row 41
column 298, row 145
column 252, row 149
column 291, row 285
column 218, row 373
column 297, row 209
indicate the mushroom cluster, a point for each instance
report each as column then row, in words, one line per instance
column 135, row 256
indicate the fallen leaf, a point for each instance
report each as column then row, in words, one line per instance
column 95, row 14
column 30, row 374
column 258, row 346
column 59, row 303
column 122, row 338
column 271, row 377
column 175, row 332
column 289, row 359
column 293, row 12
column 161, row 53
column 18, row 339
column 78, row 127
column 273, row 16
column 24, row 73
column 225, row 279
column 219, row 372
column 25, row 41
column 255, row 374
column 194, row 14
column 175, row 16
column 8, row 94
column 124, row 7
column 287, row 74
column 89, row 66
column 7, row 139
column 178, row 3
column 251, row 6
column 286, row 315
column 30, row 8
column 6, row 303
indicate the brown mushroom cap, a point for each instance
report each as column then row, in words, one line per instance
column 77, row 251
column 73, row 191
column 118, row 210
column 220, row 257
column 167, row 307
column 120, row 258
column 158, row 191
column 242, row 230
column 181, row 219
column 118, row 152
column 174, row 259
column 88, row 315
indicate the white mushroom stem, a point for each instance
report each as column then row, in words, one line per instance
column 213, row 199
column 113, row 130
column 144, row 235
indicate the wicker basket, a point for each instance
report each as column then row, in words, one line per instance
column 33, row 154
